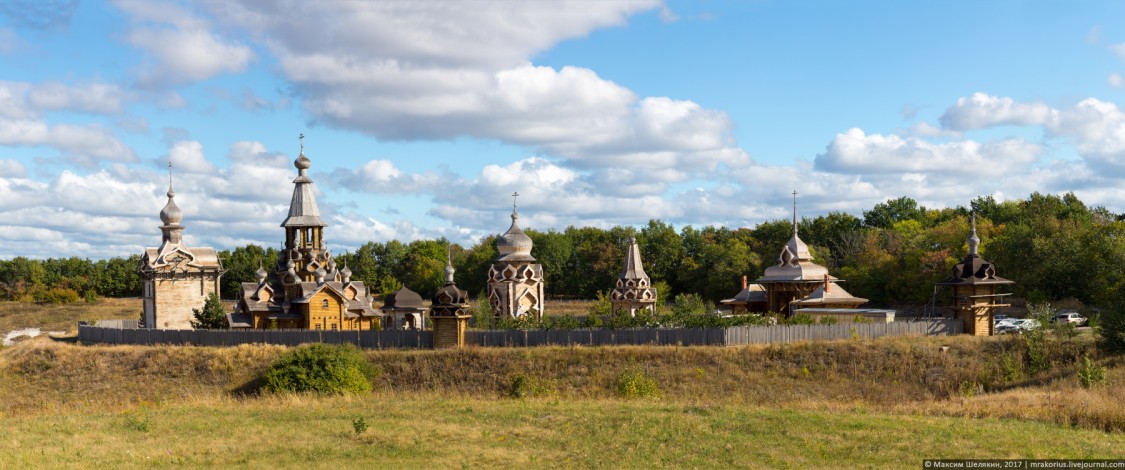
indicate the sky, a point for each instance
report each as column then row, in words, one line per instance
column 422, row 118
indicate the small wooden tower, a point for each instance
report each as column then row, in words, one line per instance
column 974, row 283
column 515, row 280
column 447, row 312
column 633, row 290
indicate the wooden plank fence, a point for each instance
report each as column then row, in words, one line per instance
column 739, row 335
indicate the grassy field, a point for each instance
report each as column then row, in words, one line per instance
column 882, row 403
column 65, row 317
column 431, row 431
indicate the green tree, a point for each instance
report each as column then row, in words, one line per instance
column 886, row 213
column 242, row 264
column 212, row 317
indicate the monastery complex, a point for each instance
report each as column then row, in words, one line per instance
column 306, row 289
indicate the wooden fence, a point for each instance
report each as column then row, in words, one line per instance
column 739, row 335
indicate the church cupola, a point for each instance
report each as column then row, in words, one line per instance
column 514, row 245
column 171, row 216
column 304, row 229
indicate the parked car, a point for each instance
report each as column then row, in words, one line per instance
column 1069, row 317
column 999, row 318
column 1006, row 327
column 1026, row 324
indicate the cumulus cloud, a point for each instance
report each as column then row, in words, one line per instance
column 1115, row 80
column 408, row 70
column 82, row 144
column 26, row 100
column 187, row 156
column 182, row 47
column 857, row 152
column 12, row 168
column 1118, row 49
column 982, row 110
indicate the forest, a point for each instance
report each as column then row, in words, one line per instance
column 1053, row 247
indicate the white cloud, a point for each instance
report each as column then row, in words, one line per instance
column 182, row 47
column 187, row 156
column 1115, row 80
column 22, row 100
column 408, row 70
column 982, row 110
column 89, row 97
column 82, row 144
column 12, row 168
column 856, row 152
column 1118, row 49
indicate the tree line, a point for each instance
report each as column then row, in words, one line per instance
column 1054, row 247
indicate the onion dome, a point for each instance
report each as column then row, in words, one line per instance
column 514, row 245
column 346, row 274
column 171, row 214
column 262, row 274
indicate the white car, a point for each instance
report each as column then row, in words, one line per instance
column 1026, row 324
column 1070, row 317
column 1005, row 327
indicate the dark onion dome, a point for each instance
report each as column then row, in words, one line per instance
column 974, row 269
column 402, row 298
column 450, row 295
column 514, row 245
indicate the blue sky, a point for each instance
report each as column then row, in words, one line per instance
column 421, row 118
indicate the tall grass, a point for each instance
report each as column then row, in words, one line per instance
column 941, row 375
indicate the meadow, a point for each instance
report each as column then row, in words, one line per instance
column 880, row 403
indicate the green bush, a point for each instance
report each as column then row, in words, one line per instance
column 1090, row 374
column 212, row 316
column 635, row 383
column 530, row 386
column 56, row 295
column 320, row 368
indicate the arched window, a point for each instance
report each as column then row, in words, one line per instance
column 324, row 303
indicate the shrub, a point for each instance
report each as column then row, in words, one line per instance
column 481, row 312
column 359, row 425
column 56, row 295
column 635, row 383
column 567, row 322
column 800, row 319
column 1090, row 373
column 689, row 304
column 320, row 368
column 528, row 386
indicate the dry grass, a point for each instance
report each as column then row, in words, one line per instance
column 881, row 403
column 895, row 375
column 65, row 317
column 559, row 308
